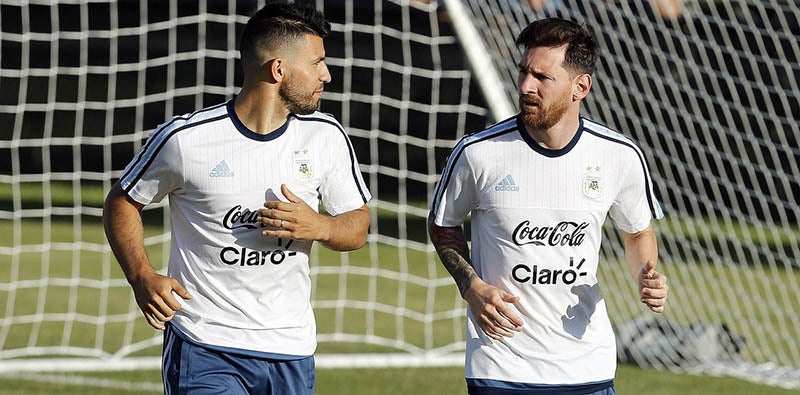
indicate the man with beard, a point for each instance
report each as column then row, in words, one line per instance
column 245, row 179
column 538, row 187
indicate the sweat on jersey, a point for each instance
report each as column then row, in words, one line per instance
column 250, row 293
column 536, row 226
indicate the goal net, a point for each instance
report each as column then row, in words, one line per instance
column 83, row 83
column 710, row 96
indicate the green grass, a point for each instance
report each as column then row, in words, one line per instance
column 410, row 317
column 399, row 381
column 33, row 195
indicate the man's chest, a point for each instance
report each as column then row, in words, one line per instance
column 574, row 182
column 226, row 175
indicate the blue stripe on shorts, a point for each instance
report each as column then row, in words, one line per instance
column 192, row 368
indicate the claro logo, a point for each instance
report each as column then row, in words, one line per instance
column 564, row 233
column 242, row 256
column 533, row 274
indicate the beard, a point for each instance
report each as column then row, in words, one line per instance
column 296, row 100
column 542, row 118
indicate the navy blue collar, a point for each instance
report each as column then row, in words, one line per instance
column 551, row 153
column 246, row 132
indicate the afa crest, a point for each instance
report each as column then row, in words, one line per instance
column 304, row 168
column 593, row 183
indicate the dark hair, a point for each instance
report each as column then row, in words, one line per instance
column 277, row 23
column 582, row 50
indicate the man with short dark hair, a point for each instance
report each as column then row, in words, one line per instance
column 539, row 186
column 245, row 179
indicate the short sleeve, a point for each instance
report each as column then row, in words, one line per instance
column 342, row 188
column 635, row 204
column 155, row 171
column 456, row 193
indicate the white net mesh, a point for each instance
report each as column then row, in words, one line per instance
column 709, row 90
column 83, row 83
column 404, row 97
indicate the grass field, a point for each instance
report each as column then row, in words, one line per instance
column 419, row 381
column 379, row 299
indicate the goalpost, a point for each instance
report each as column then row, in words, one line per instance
column 710, row 95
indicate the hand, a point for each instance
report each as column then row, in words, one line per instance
column 153, row 294
column 653, row 288
column 492, row 309
column 293, row 220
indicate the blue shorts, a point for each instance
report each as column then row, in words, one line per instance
column 497, row 387
column 189, row 368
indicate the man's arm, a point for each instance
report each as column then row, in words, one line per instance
column 641, row 253
column 451, row 246
column 122, row 221
column 490, row 306
column 296, row 220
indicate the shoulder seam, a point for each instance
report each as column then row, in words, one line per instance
column 499, row 129
column 353, row 162
column 160, row 138
column 161, row 129
column 621, row 139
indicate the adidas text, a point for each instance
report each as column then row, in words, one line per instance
column 221, row 174
column 221, row 170
column 507, row 184
column 511, row 188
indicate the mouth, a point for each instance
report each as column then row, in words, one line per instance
column 529, row 102
column 529, row 105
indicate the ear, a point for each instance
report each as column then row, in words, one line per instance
column 581, row 86
column 277, row 69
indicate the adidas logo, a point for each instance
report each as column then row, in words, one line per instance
column 221, row 170
column 507, row 184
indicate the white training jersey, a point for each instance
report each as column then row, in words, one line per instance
column 536, row 226
column 250, row 293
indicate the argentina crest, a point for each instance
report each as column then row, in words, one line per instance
column 303, row 167
column 592, row 182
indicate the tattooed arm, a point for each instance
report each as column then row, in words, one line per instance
column 451, row 245
column 492, row 307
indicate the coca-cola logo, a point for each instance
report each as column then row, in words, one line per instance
column 564, row 233
column 237, row 217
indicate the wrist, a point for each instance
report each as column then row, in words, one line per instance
column 325, row 229
column 135, row 276
column 471, row 286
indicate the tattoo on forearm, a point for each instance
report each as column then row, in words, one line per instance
column 451, row 245
column 459, row 268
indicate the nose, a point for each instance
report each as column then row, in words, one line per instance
column 527, row 84
column 326, row 74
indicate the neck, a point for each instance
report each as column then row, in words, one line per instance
column 260, row 108
column 559, row 135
